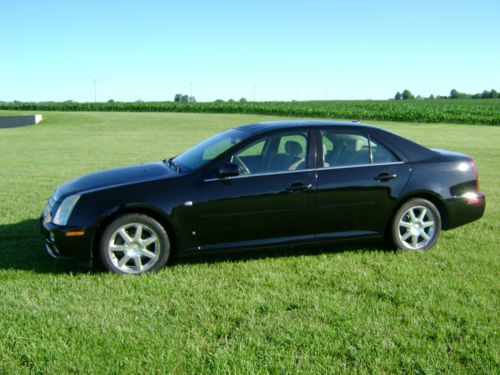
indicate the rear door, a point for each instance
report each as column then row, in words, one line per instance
column 358, row 180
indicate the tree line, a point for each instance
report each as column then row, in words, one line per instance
column 181, row 98
column 454, row 94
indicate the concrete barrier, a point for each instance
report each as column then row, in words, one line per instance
column 14, row 121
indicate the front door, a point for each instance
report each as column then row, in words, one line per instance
column 271, row 202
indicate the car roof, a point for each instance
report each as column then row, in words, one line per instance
column 260, row 127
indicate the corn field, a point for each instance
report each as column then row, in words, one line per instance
column 467, row 111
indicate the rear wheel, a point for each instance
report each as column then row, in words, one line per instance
column 134, row 244
column 416, row 225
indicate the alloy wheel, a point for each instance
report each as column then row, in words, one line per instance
column 134, row 248
column 417, row 227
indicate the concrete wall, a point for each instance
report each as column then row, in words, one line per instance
column 14, row 121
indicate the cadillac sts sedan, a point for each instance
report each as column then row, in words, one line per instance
column 264, row 185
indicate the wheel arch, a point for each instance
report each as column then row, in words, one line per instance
column 161, row 217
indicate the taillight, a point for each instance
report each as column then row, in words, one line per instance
column 473, row 197
column 475, row 174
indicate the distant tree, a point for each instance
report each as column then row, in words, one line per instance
column 485, row 94
column 184, row 99
column 493, row 94
column 219, row 101
column 230, row 101
column 476, row 96
column 407, row 95
column 454, row 94
column 243, row 100
column 192, row 99
column 111, row 101
column 177, row 98
column 419, row 97
column 398, row 96
column 431, row 97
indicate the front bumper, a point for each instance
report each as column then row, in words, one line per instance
column 463, row 210
column 58, row 245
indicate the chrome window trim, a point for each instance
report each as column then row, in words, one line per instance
column 361, row 165
column 307, row 170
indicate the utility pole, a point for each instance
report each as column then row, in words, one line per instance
column 95, row 90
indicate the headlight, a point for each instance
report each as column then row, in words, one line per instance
column 64, row 210
column 47, row 217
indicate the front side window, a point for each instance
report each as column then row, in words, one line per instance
column 276, row 153
column 209, row 149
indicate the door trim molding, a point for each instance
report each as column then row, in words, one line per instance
column 307, row 170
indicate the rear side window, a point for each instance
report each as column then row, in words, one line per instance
column 380, row 154
column 343, row 149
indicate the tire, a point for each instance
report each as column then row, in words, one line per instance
column 134, row 244
column 416, row 225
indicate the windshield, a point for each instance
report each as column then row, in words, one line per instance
column 209, row 149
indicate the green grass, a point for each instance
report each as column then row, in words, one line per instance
column 355, row 308
column 464, row 111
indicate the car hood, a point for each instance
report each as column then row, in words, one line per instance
column 114, row 177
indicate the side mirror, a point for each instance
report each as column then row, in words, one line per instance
column 228, row 170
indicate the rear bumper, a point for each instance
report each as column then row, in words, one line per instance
column 59, row 246
column 463, row 210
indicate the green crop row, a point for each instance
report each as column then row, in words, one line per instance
column 442, row 110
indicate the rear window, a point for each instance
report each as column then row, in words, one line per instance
column 381, row 154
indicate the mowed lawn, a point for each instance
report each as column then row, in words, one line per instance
column 356, row 308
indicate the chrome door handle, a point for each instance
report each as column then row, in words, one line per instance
column 298, row 187
column 386, row 176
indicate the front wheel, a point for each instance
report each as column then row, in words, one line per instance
column 134, row 244
column 416, row 225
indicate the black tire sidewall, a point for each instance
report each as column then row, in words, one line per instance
column 399, row 213
column 165, row 244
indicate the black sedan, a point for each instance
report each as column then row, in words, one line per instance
column 264, row 185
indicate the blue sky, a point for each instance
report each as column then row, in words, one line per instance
column 277, row 50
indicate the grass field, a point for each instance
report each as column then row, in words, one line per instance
column 357, row 309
